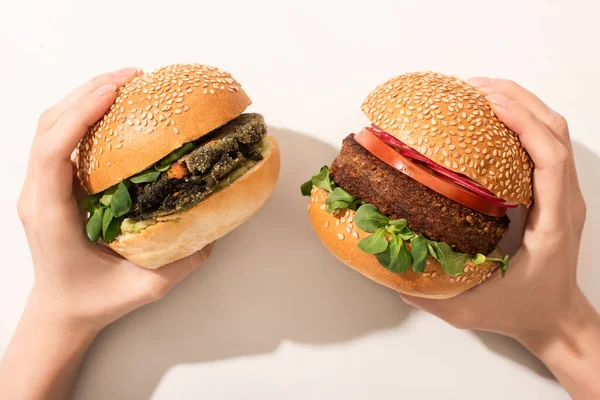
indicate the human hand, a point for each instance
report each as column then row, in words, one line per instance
column 539, row 298
column 539, row 302
column 77, row 282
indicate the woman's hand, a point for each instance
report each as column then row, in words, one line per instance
column 80, row 287
column 81, row 281
column 538, row 302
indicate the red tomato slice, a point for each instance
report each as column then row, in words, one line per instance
column 427, row 177
column 453, row 176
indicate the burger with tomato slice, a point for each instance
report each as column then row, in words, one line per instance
column 417, row 200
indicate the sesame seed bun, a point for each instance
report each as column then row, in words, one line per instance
column 449, row 122
column 340, row 235
column 178, row 235
column 153, row 115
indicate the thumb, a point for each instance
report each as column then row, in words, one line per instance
column 450, row 310
column 429, row 305
column 174, row 272
column 155, row 284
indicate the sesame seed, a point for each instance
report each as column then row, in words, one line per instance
column 462, row 113
column 326, row 224
column 355, row 234
column 340, row 236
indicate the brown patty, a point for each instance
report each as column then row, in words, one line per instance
column 398, row 196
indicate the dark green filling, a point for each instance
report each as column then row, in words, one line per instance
column 212, row 162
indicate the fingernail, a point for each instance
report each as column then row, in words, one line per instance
column 479, row 81
column 106, row 89
column 498, row 99
column 128, row 71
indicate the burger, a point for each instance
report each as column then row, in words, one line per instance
column 175, row 164
column 417, row 201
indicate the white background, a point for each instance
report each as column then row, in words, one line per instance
column 273, row 314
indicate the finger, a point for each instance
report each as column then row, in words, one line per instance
column 553, row 120
column 51, row 116
column 51, row 154
column 173, row 273
column 551, row 158
column 450, row 310
column 535, row 136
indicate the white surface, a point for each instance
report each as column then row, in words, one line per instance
column 272, row 314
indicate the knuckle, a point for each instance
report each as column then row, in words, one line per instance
column 581, row 215
column 23, row 210
column 560, row 124
column 583, row 209
column 551, row 229
column 45, row 119
column 156, row 288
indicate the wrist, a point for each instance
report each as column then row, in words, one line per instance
column 43, row 311
column 565, row 333
column 51, row 341
column 570, row 350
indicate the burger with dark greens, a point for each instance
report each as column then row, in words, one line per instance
column 175, row 164
column 417, row 200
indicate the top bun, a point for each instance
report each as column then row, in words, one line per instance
column 153, row 115
column 449, row 122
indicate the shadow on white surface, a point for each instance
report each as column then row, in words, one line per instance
column 270, row 280
column 588, row 170
column 514, row 351
column 588, row 167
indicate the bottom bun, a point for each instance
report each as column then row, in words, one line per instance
column 340, row 235
column 179, row 235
